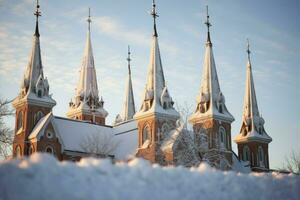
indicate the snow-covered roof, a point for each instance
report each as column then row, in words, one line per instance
column 252, row 128
column 126, row 135
column 156, row 96
column 72, row 134
column 210, row 101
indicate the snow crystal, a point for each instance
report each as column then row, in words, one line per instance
column 42, row 177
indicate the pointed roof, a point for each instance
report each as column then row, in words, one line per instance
column 128, row 109
column 156, row 98
column 87, row 94
column 252, row 123
column 34, row 86
column 210, row 101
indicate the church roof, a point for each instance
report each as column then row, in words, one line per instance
column 156, row 96
column 34, row 86
column 252, row 123
column 128, row 109
column 210, row 101
column 87, row 94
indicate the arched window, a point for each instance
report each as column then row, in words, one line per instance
column 18, row 151
column 20, row 120
column 146, row 134
column 165, row 129
column 37, row 117
column 31, row 150
column 203, row 140
column 260, row 154
column 246, row 153
column 222, row 137
column 49, row 149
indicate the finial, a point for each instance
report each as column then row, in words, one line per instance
column 248, row 50
column 37, row 14
column 89, row 19
column 129, row 59
column 208, row 24
column 154, row 15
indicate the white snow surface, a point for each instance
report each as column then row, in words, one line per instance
column 41, row 176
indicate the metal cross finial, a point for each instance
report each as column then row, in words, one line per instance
column 37, row 14
column 128, row 59
column 208, row 24
column 154, row 15
column 248, row 49
column 89, row 19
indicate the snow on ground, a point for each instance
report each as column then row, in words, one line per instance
column 43, row 177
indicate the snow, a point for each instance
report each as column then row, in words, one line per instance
column 42, row 177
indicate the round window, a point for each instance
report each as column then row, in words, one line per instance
column 49, row 134
column 49, row 150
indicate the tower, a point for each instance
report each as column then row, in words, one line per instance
column 157, row 115
column 34, row 100
column 86, row 104
column 128, row 109
column 252, row 140
column 211, row 120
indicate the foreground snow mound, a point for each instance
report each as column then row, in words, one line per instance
column 43, row 177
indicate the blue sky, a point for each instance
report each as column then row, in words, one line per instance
column 272, row 27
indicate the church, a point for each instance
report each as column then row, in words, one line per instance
column 154, row 132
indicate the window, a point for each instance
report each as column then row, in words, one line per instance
column 37, row 117
column 222, row 137
column 49, row 134
column 20, row 120
column 31, row 150
column 165, row 129
column 18, row 151
column 203, row 141
column 49, row 149
column 146, row 134
column 246, row 153
column 260, row 156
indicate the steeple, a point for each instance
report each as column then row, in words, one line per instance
column 34, row 86
column 128, row 109
column 156, row 98
column 253, row 123
column 210, row 101
column 86, row 98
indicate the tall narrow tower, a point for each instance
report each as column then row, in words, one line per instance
column 252, row 140
column 128, row 109
column 86, row 104
column 34, row 100
column 211, row 120
column 157, row 114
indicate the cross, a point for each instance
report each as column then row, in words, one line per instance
column 208, row 24
column 248, row 48
column 89, row 19
column 37, row 12
column 129, row 59
column 154, row 15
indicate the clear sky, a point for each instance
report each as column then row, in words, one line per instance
column 272, row 26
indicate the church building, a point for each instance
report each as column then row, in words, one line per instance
column 154, row 132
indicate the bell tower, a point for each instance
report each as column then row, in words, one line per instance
column 34, row 100
column 253, row 140
column 157, row 114
column 86, row 104
column 211, row 120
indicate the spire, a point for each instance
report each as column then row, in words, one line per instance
column 208, row 24
column 34, row 84
column 157, row 98
column 128, row 109
column 87, row 93
column 210, row 101
column 253, row 123
column 37, row 14
column 154, row 15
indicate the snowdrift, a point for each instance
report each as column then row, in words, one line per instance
column 41, row 177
